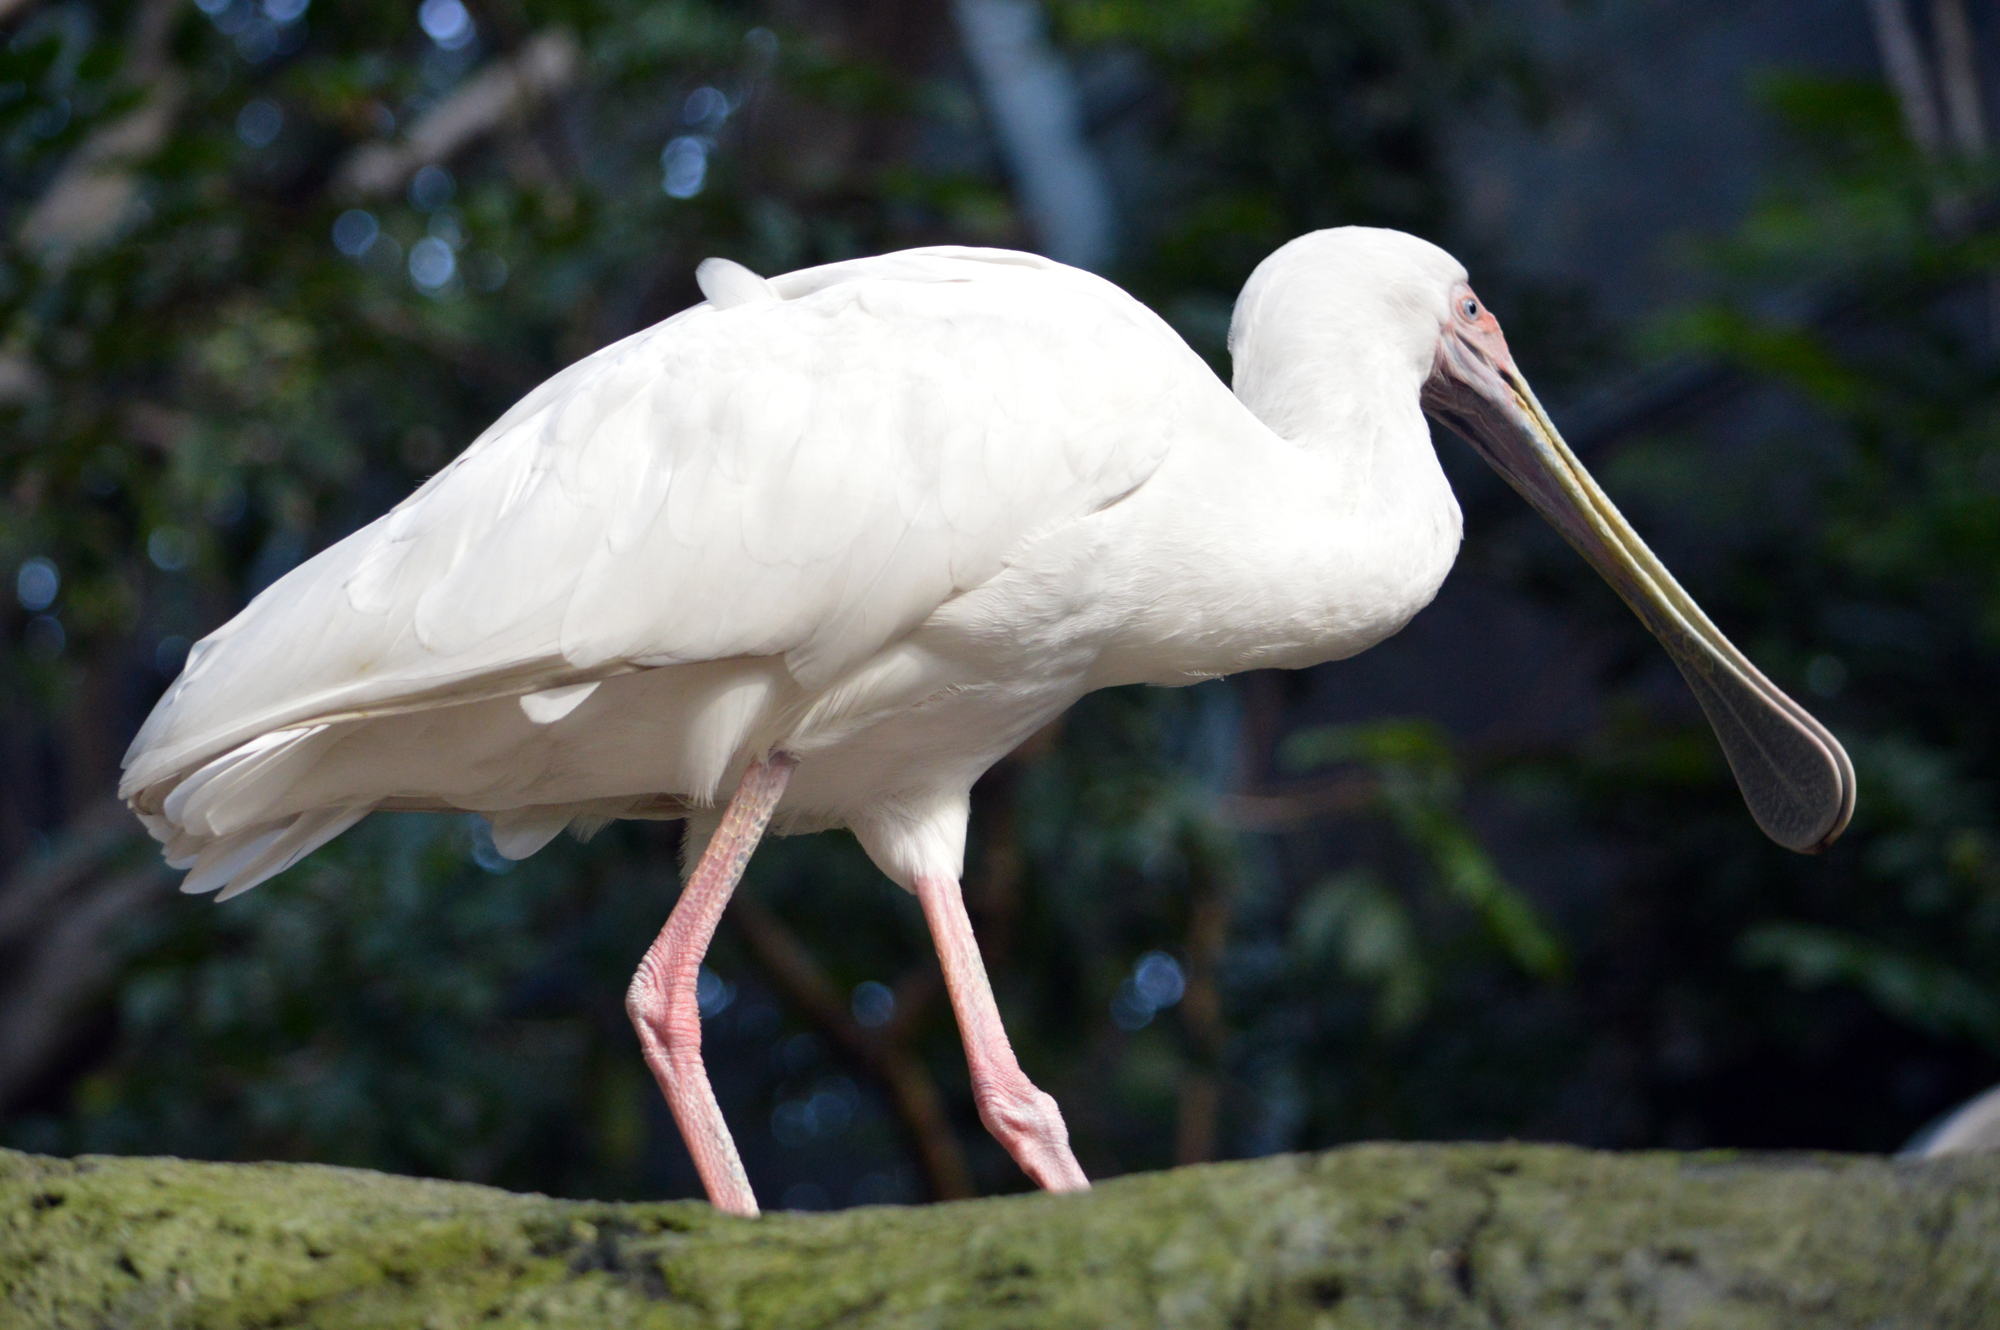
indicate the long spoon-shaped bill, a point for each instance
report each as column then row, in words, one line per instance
column 1794, row 775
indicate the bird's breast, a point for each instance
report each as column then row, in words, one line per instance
column 1280, row 563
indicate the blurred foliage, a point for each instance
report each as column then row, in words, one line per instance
column 1291, row 115
column 1884, row 546
column 1417, row 786
column 370, row 1013
column 1582, row 938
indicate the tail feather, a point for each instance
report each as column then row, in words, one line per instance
column 307, row 832
column 237, row 862
column 518, row 833
column 182, row 849
column 220, row 859
column 174, row 806
column 231, row 793
column 178, row 846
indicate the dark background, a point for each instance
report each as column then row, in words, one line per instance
column 1491, row 879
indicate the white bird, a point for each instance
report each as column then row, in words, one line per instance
column 1971, row 1128
column 821, row 550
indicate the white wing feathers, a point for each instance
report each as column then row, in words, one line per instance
column 807, row 474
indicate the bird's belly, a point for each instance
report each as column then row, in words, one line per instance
column 926, row 715
column 937, row 747
column 917, row 725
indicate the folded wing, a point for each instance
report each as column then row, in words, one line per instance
column 806, row 478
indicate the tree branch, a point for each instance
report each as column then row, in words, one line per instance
column 1909, row 79
column 79, row 850
column 1958, row 76
column 64, row 974
column 506, row 91
column 1392, row 1237
column 1292, row 806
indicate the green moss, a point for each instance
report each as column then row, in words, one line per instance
column 1371, row 1236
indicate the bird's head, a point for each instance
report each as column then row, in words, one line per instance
column 1415, row 301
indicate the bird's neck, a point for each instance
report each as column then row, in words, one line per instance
column 1355, row 408
column 1367, row 514
column 1277, row 546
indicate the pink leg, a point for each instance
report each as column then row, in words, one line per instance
column 661, row 1000
column 1021, row 1117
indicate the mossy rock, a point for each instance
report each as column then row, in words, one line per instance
column 1375, row 1236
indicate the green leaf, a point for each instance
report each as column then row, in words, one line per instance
column 1931, row 995
column 1402, row 742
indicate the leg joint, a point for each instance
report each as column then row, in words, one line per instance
column 1021, row 1112
column 665, row 1014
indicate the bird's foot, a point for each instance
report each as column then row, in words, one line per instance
column 1028, row 1123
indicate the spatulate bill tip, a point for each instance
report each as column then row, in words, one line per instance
column 1794, row 776
column 1800, row 799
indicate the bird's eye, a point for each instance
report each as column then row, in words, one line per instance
column 1469, row 308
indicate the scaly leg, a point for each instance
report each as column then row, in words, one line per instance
column 661, row 1000
column 1021, row 1117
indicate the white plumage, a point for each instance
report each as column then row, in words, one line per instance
column 839, row 540
column 890, row 515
